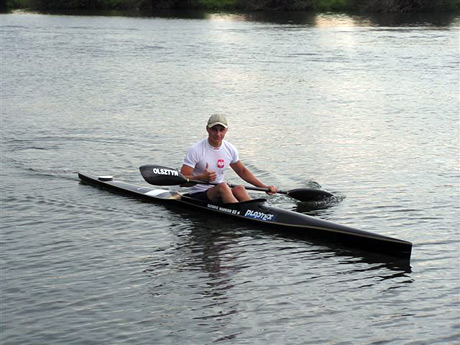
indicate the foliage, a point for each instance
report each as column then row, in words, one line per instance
column 276, row 5
column 332, row 5
column 21, row 3
column 400, row 6
column 217, row 4
column 252, row 5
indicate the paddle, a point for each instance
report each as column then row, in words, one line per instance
column 163, row 176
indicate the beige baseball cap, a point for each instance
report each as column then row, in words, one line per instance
column 217, row 119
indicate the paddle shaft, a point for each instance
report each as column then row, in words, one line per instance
column 163, row 176
column 260, row 189
column 301, row 194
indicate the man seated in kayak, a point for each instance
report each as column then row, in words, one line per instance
column 207, row 161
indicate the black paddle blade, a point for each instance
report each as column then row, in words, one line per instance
column 307, row 194
column 162, row 176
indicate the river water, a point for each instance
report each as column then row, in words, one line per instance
column 365, row 107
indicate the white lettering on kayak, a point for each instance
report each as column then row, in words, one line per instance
column 168, row 172
column 260, row 215
column 223, row 209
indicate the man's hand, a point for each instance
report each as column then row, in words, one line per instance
column 208, row 175
column 272, row 190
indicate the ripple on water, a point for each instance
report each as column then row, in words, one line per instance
column 350, row 112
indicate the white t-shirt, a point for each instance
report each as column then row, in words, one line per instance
column 217, row 158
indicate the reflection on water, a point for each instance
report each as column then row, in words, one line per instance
column 212, row 241
column 226, row 255
column 233, row 283
column 308, row 19
column 347, row 20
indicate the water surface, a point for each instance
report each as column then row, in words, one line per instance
column 367, row 108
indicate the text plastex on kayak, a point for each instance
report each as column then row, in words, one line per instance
column 260, row 215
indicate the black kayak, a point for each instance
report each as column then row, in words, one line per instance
column 260, row 212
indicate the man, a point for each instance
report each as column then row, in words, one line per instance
column 207, row 161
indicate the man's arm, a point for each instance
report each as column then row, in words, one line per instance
column 249, row 177
column 206, row 175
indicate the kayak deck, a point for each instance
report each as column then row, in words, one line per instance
column 259, row 211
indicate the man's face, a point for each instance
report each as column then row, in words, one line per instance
column 217, row 133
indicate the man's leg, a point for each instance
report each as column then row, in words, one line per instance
column 241, row 193
column 221, row 192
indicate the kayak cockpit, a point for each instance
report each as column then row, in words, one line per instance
column 189, row 197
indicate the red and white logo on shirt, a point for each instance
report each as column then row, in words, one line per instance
column 220, row 163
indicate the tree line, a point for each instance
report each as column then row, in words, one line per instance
column 382, row 6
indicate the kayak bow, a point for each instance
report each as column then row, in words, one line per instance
column 260, row 212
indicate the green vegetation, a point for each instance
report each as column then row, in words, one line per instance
column 383, row 6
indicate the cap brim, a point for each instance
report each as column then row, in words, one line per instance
column 217, row 123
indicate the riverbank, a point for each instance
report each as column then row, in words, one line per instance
column 377, row 6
